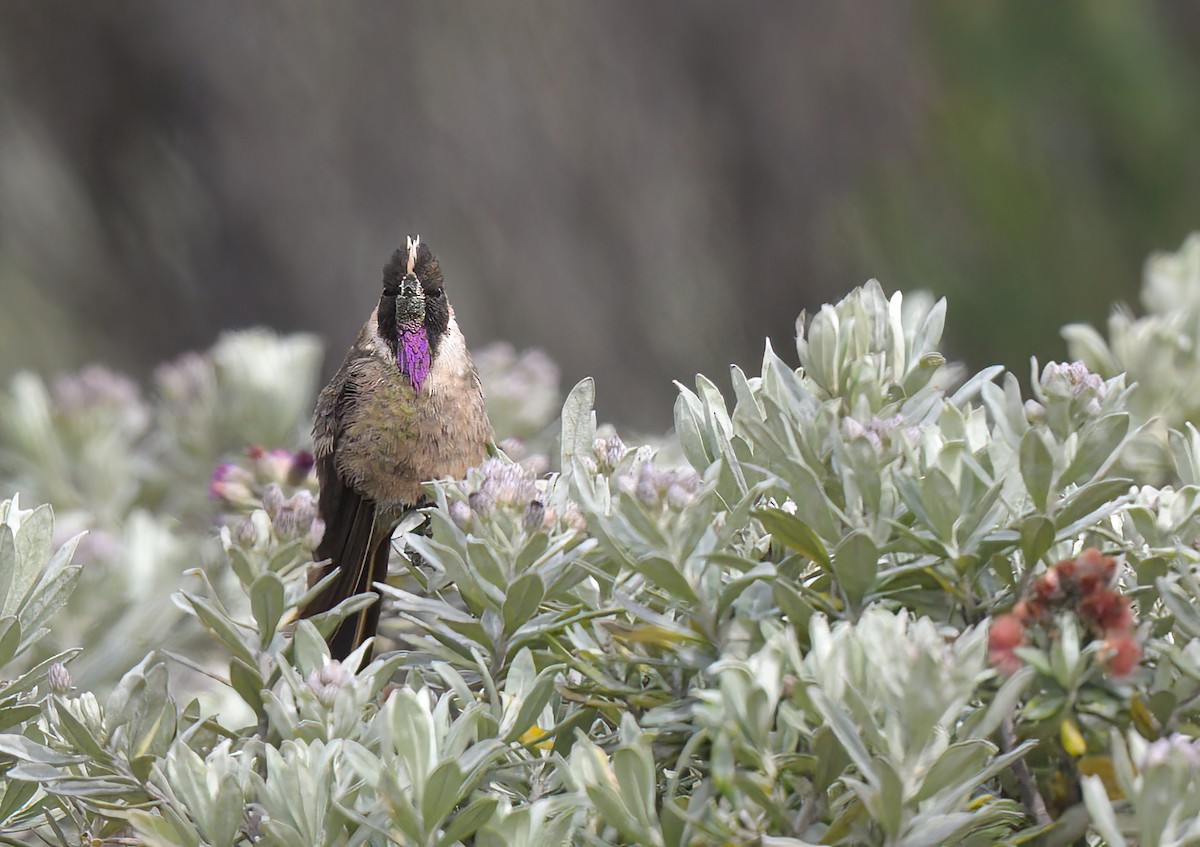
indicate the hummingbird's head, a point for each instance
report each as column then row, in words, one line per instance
column 413, row 311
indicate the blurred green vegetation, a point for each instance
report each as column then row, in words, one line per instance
column 638, row 190
column 1058, row 150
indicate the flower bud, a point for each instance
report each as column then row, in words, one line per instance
column 649, row 486
column 59, row 679
column 325, row 682
column 481, row 503
column 678, row 496
column 275, row 464
column 245, row 534
column 285, row 523
column 460, row 513
column 609, row 452
column 273, row 499
column 316, row 532
column 535, row 514
column 1176, row 744
column 231, row 484
column 304, row 508
column 302, row 465
column 574, row 518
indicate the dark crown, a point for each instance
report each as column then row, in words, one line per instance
column 417, row 260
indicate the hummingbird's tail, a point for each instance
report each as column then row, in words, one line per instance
column 359, row 545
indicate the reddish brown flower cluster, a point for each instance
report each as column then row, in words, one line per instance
column 1083, row 586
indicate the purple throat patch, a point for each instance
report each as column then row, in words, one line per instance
column 412, row 354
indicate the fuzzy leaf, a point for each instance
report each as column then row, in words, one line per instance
column 793, row 533
column 267, row 603
column 855, row 564
column 1037, row 467
column 522, row 602
column 578, row 423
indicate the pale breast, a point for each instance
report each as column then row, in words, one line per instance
column 394, row 438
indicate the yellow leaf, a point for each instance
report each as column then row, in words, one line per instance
column 1072, row 739
column 651, row 635
column 1143, row 721
column 1102, row 767
column 536, row 737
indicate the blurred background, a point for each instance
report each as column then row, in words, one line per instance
column 642, row 191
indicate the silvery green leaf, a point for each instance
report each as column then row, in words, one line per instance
column 956, row 762
column 11, row 715
column 219, row 625
column 855, row 563
column 1004, row 703
column 689, row 429
column 1090, row 503
column 524, row 597
column 633, row 768
column 78, row 734
column 1098, row 441
column 442, row 789
column 10, row 637
column 248, row 683
column 578, row 423
column 411, row 732
column 311, row 651
column 820, row 356
column 1104, row 819
column 32, row 547
column 477, row 813
column 153, row 723
column 326, row 622
column 928, row 335
column 936, row 830
column 535, row 700
column 765, row 572
column 68, row 784
column 156, row 830
column 792, row 532
column 1181, row 606
column 850, row 736
column 9, row 566
column 667, row 576
column 23, row 749
column 17, row 801
column 889, row 798
column 267, row 603
column 45, row 604
column 1065, row 652
column 716, row 412
column 1185, row 450
column 1037, row 537
column 939, row 496
column 745, row 393
column 1037, row 467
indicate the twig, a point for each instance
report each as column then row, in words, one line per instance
column 1031, row 798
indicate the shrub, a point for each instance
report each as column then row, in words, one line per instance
column 870, row 602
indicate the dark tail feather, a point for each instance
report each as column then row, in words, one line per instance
column 355, row 630
column 349, row 543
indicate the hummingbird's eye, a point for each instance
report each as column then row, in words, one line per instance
column 436, row 293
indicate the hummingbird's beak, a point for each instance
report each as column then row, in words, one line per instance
column 410, row 286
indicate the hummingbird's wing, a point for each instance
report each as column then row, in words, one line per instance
column 350, row 542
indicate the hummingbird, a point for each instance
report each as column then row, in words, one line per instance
column 405, row 407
